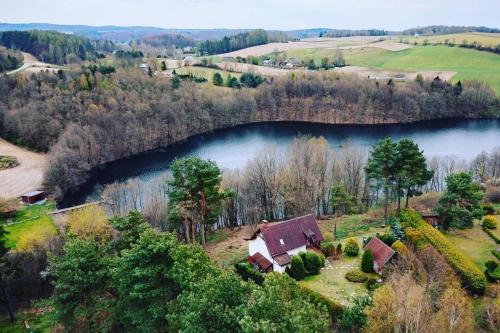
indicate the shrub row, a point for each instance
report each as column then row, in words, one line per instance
column 496, row 253
column 335, row 309
column 471, row 275
column 247, row 272
column 492, row 235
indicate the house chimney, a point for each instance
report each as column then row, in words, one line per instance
column 264, row 224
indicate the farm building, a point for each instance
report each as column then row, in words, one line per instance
column 272, row 246
column 430, row 217
column 381, row 253
column 33, row 197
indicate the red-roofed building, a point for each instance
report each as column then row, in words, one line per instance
column 280, row 241
column 381, row 253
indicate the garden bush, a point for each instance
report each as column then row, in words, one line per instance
column 416, row 237
column 297, row 269
column 399, row 247
column 339, row 249
column 488, row 209
column 388, row 238
column 496, row 253
column 471, row 275
column 367, row 262
column 328, row 248
column 492, row 270
column 355, row 275
column 490, row 222
column 247, row 272
column 313, row 263
column 351, row 247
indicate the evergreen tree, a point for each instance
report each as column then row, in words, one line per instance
column 459, row 204
column 411, row 170
column 163, row 65
column 218, row 80
column 381, row 168
column 5, row 269
column 367, row 262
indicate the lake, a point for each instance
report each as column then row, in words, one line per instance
column 232, row 148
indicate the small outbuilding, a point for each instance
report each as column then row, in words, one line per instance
column 430, row 217
column 33, row 197
column 381, row 253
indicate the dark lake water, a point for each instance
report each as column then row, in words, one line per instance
column 232, row 148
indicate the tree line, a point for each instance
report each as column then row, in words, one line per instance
column 445, row 30
column 127, row 112
column 55, row 47
column 239, row 41
column 10, row 59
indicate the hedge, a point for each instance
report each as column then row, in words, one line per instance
column 246, row 271
column 334, row 309
column 471, row 275
column 496, row 253
column 492, row 235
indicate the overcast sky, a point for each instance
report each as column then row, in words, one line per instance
column 268, row 14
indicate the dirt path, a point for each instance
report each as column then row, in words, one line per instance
column 28, row 176
column 31, row 64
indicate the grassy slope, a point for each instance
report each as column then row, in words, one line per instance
column 483, row 38
column 37, row 226
column 469, row 64
column 205, row 72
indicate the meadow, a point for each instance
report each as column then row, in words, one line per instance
column 480, row 37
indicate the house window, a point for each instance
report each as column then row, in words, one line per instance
column 282, row 242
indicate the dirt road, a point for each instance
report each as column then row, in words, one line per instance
column 31, row 64
column 28, row 176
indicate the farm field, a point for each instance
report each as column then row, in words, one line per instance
column 481, row 37
column 469, row 64
column 36, row 223
column 474, row 243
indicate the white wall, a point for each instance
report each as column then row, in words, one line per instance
column 258, row 245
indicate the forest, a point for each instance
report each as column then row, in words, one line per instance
column 127, row 112
column 240, row 41
column 54, row 47
column 166, row 40
column 10, row 59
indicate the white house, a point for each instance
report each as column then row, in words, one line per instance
column 272, row 246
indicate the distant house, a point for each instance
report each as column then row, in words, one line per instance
column 228, row 59
column 430, row 217
column 271, row 247
column 188, row 49
column 33, row 197
column 188, row 60
column 267, row 62
column 381, row 253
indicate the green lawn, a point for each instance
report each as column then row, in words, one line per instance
column 469, row 64
column 481, row 37
column 41, row 225
column 474, row 243
column 351, row 225
column 331, row 282
column 38, row 322
column 206, row 72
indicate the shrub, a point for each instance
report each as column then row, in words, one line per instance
column 490, row 222
column 399, row 247
column 491, row 265
column 416, row 237
column 388, row 238
column 313, row 263
column 297, row 269
column 351, row 247
column 488, row 209
column 328, row 248
column 492, row 270
column 372, row 284
column 471, row 275
column 355, row 275
column 247, row 272
column 335, row 309
column 339, row 249
column 367, row 262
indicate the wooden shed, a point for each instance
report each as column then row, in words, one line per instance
column 33, row 197
column 430, row 217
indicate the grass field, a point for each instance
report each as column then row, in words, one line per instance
column 41, row 225
column 474, row 243
column 206, row 72
column 38, row 322
column 469, row 64
column 481, row 37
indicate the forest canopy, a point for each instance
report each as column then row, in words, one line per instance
column 54, row 47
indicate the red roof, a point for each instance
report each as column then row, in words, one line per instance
column 291, row 234
column 283, row 259
column 381, row 252
column 260, row 260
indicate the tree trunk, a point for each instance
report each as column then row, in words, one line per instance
column 399, row 197
column 386, row 201
column 407, row 197
column 186, row 225
column 6, row 300
column 202, row 231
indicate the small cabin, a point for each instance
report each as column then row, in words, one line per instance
column 430, row 217
column 33, row 197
